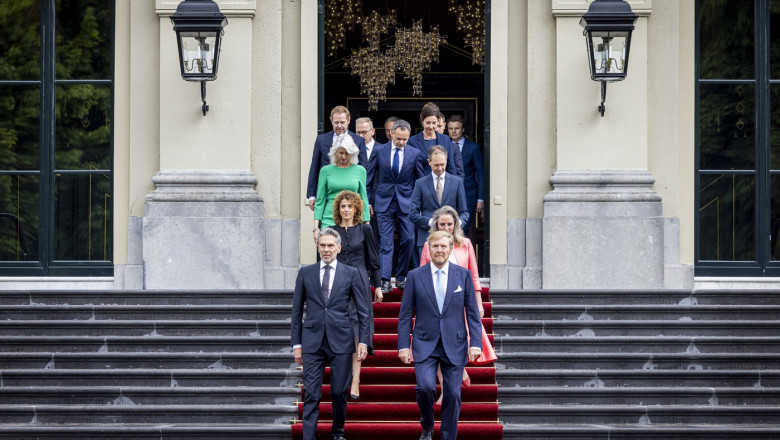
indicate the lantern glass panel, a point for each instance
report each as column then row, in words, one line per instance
column 199, row 51
column 608, row 57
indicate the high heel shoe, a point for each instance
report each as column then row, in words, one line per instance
column 354, row 397
column 467, row 381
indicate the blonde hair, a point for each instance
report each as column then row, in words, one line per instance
column 439, row 235
column 344, row 141
column 457, row 231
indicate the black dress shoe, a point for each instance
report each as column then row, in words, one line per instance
column 386, row 287
column 426, row 435
column 400, row 284
column 339, row 437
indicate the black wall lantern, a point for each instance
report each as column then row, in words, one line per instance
column 199, row 27
column 608, row 26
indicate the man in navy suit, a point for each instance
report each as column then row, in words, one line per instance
column 339, row 118
column 438, row 294
column 394, row 169
column 433, row 191
column 364, row 127
column 326, row 289
column 473, row 168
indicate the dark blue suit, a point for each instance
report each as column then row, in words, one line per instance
column 326, row 336
column 425, row 202
column 473, row 182
column 454, row 159
column 391, row 199
column 319, row 158
column 439, row 339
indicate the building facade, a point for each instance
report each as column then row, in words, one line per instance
column 575, row 200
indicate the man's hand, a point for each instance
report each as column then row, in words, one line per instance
column 406, row 356
column 378, row 296
column 298, row 356
column 311, row 204
column 474, row 354
column 371, row 209
column 480, row 207
column 362, row 352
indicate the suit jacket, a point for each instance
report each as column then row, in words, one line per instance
column 332, row 319
column 385, row 186
column 454, row 159
column 419, row 298
column 319, row 158
column 425, row 202
column 473, row 167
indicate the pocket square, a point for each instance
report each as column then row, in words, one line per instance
column 458, row 289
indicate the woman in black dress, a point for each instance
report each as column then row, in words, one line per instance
column 359, row 250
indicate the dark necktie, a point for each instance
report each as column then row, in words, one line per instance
column 396, row 166
column 326, row 284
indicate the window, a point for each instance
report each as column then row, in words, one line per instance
column 56, row 107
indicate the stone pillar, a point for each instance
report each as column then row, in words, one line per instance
column 203, row 227
column 204, row 230
column 603, row 229
column 603, row 225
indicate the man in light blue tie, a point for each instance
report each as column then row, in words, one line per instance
column 438, row 294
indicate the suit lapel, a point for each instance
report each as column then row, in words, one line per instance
column 314, row 276
column 452, row 285
column 431, row 188
column 430, row 291
column 337, row 281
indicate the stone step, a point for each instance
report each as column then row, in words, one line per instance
column 637, row 344
column 594, row 328
column 638, row 414
column 76, row 414
column 149, row 328
column 166, row 431
column 150, row 343
column 634, row 297
column 640, row 361
column 150, row 297
column 152, row 378
column 557, row 312
column 147, row 360
column 113, row 395
column 681, row 395
column 637, row 378
column 251, row 312
column 635, row 431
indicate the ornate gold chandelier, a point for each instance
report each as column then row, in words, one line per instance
column 340, row 16
column 415, row 50
column 375, row 68
column 470, row 19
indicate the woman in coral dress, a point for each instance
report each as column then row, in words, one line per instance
column 446, row 219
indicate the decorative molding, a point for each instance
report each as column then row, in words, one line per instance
column 231, row 8
column 576, row 8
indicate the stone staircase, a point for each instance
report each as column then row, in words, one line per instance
column 146, row 365
column 638, row 365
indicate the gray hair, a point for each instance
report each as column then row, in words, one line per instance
column 329, row 231
column 437, row 149
column 346, row 142
column 391, row 119
column 364, row 119
column 402, row 125
column 457, row 231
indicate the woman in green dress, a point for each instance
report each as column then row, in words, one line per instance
column 343, row 173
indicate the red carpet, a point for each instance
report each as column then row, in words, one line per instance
column 387, row 408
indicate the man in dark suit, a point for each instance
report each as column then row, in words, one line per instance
column 364, row 127
column 473, row 168
column 326, row 336
column 433, row 191
column 438, row 294
column 394, row 169
column 339, row 118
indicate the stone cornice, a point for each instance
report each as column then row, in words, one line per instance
column 231, row 8
column 577, row 8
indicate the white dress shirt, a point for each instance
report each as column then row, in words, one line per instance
column 400, row 157
column 369, row 148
